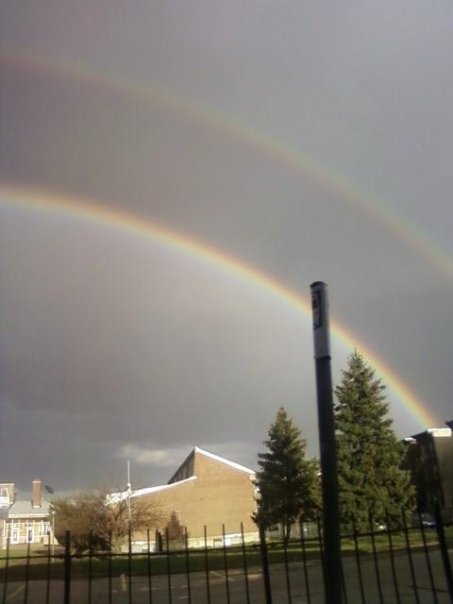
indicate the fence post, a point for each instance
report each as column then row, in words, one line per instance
column 304, row 559
column 443, row 549
column 285, row 558
column 90, row 565
column 265, row 564
column 225, row 563
column 49, row 551
column 129, row 563
column 392, row 559
column 206, row 564
column 428, row 561
column 67, row 568
column 167, row 539
column 148, row 564
column 409, row 557
column 358, row 561
column 186, row 548
column 27, row 573
column 244, row 559
column 375, row 558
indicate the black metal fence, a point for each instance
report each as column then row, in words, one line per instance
column 402, row 565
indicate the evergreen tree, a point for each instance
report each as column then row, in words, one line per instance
column 369, row 455
column 287, row 483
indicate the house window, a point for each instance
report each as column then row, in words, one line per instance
column 29, row 534
column 14, row 534
column 45, row 527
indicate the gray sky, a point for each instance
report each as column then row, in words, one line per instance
column 309, row 140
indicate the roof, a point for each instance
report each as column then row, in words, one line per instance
column 116, row 497
column 187, row 466
column 435, row 432
column 225, row 461
column 163, row 487
column 23, row 508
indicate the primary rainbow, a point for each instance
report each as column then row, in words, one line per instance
column 291, row 158
column 85, row 209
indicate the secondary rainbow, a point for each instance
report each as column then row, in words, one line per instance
column 89, row 210
column 294, row 159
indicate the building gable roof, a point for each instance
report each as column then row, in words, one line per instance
column 227, row 462
column 123, row 495
column 187, row 468
column 160, row 488
column 184, row 474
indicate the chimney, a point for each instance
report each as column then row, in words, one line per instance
column 36, row 495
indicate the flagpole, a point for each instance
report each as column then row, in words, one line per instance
column 129, row 491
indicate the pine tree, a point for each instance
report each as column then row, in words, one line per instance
column 287, row 483
column 369, row 455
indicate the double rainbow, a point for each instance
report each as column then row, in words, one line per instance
column 88, row 210
column 294, row 159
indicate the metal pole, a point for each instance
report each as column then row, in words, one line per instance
column 129, row 531
column 53, row 532
column 443, row 549
column 67, row 568
column 265, row 565
column 129, row 490
column 327, row 445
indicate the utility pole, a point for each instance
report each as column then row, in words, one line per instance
column 327, row 446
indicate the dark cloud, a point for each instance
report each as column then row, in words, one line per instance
column 310, row 143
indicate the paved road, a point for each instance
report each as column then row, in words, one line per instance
column 237, row 590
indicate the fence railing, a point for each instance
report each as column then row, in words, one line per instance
column 401, row 565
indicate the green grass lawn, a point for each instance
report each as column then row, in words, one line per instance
column 38, row 565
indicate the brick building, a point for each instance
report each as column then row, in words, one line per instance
column 429, row 457
column 205, row 491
